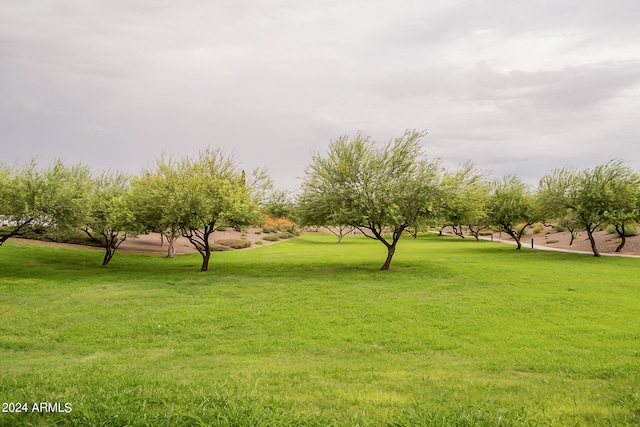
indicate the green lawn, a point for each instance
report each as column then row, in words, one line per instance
column 307, row 332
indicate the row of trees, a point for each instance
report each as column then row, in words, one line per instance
column 383, row 191
column 191, row 197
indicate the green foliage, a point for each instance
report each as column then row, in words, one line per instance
column 360, row 184
column 271, row 238
column 608, row 193
column 512, row 207
column 464, row 197
column 200, row 195
column 559, row 227
column 234, row 243
column 458, row 333
column 216, row 247
column 278, row 204
column 259, row 242
column 538, row 227
column 110, row 216
column 630, row 229
column 52, row 198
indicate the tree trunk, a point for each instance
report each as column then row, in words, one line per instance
column 15, row 232
column 515, row 236
column 171, row 240
column 593, row 241
column 391, row 249
column 108, row 255
column 205, row 260
column 622, row 233
column 171, row 250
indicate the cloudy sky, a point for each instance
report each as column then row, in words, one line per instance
column 516, row 86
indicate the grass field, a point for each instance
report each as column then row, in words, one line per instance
column 307, row 332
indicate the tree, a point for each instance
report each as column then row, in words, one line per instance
column 572, row 225
column 152, row 195
column 604, row 194
column 625, row 197
column 465, row 193
column 278, row 204
column 49, row 199
column 110, row 212
column 380, row 191
column 311, row 211
column 210, row 192
column 512, row 207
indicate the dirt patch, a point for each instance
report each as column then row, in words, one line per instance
column 550, row 238
column 154, row 243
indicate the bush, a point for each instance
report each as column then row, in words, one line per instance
column 537, row 227
column 234, row 243
column 269, row 230
column 271, row 238
column 559, row 228
column 259, row 242
column 292, row 230
column 220, row 248
column 552, row 241
column 285, row 235
column 279, row 224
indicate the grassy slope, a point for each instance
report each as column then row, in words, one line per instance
column 307, row 332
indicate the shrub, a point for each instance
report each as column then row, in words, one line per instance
column 285, row 235
column 234, row 243
column 269, row 229
column 220, row 248
column 559, row 228
column 552, row 241
column 537, row 227
column 271, row 238
column 278, row 224
column 259, row 242
column 291, row 230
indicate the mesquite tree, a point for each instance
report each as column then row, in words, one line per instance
column 379, row 190
column 512, row 207
column 606, row 194
column 53, row 198
column 110, row 219
column 465, row 193
column 200, row 195
column 153, row 194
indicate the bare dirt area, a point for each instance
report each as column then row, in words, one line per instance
column 152, row 243
column 549, row 238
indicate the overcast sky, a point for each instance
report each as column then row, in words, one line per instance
column 516, row 86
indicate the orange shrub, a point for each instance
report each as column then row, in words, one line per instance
column 278, row 223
